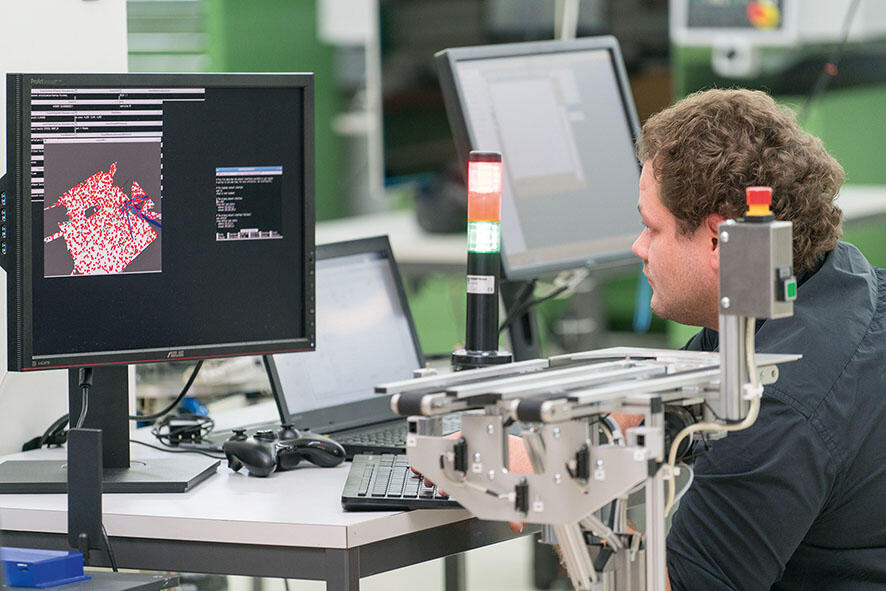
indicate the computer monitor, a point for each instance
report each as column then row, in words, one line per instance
column 153, row 217
column 562, row 115
column 752, row 22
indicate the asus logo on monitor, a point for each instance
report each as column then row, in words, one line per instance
column 175, row 354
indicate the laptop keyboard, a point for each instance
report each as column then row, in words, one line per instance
column 386, row 482
column 384, row 438
column 393, row 435
column 388, row 438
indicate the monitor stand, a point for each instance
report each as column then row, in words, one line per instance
column 109, row 411
column 525, row 342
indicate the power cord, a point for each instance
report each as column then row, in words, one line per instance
column 111, row 557
column 565, row 282
column 522, row 299
column 85, row 379
column 174, row 430
column 180, row 450
column 174, row 403
column 55, row 434
column 520, row 310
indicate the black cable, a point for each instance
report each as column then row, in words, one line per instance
column 521, row 300
column 111, row 557
column 550, row 296
column 85, row 379
column 175, row 402
column 84, row 406
column 829, row 71
column 191, row 428
column 520, row 310
column 55, row 434
column 177, row 450
column 526, row 290
column 696, row 449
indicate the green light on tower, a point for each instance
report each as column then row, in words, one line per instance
column 484, row 237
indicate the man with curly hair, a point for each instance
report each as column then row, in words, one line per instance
column 798, row 500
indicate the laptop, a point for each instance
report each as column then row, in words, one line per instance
column 365, row 337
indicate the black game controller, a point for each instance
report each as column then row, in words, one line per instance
column 265, row 453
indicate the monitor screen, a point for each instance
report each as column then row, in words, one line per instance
column 158, row 216
column 365, row 337
column 562, row 116
column 747, row 22
column 735, row 14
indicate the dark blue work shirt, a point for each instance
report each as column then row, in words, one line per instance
column 798, row 500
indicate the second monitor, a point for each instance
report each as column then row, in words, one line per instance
column 562, row 115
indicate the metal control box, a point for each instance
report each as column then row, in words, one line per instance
column 756, row 269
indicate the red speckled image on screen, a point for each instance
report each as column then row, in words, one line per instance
column 106, row 228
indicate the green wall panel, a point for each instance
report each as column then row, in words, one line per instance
column 848, row 120
column 281, row 36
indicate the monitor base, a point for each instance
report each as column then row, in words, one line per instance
column 152, row 475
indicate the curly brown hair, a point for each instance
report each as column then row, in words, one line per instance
column 707, row 148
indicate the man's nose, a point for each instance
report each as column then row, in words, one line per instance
column 639, row 246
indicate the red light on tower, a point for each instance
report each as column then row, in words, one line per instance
column 484, row 188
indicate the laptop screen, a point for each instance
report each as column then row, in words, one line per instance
column 365, row 337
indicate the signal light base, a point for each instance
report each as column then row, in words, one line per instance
column 465, row 359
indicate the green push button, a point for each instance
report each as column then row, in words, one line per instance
column 790, row 289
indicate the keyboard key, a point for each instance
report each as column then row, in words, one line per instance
column 364, row 485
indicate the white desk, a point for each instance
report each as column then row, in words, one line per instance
column 417, row 252
column 288, row 525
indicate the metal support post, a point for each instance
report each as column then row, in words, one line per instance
column 733, row 367
column 656, row 569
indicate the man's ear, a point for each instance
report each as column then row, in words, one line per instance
column 710, row 224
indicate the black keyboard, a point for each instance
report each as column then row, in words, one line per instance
column 386, row 438
column 385, row 482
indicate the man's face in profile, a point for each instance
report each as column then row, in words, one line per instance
column 679, row 269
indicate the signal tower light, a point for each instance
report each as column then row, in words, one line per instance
column 484, row 264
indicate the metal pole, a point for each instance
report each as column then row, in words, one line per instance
column 566, row 19
column 656, row 570
column 733, row 366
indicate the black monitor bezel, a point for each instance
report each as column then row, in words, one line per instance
column 375, row 408
column 16, row 261
column 465, row 141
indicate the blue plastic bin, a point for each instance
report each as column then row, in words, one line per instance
column 26, row 567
